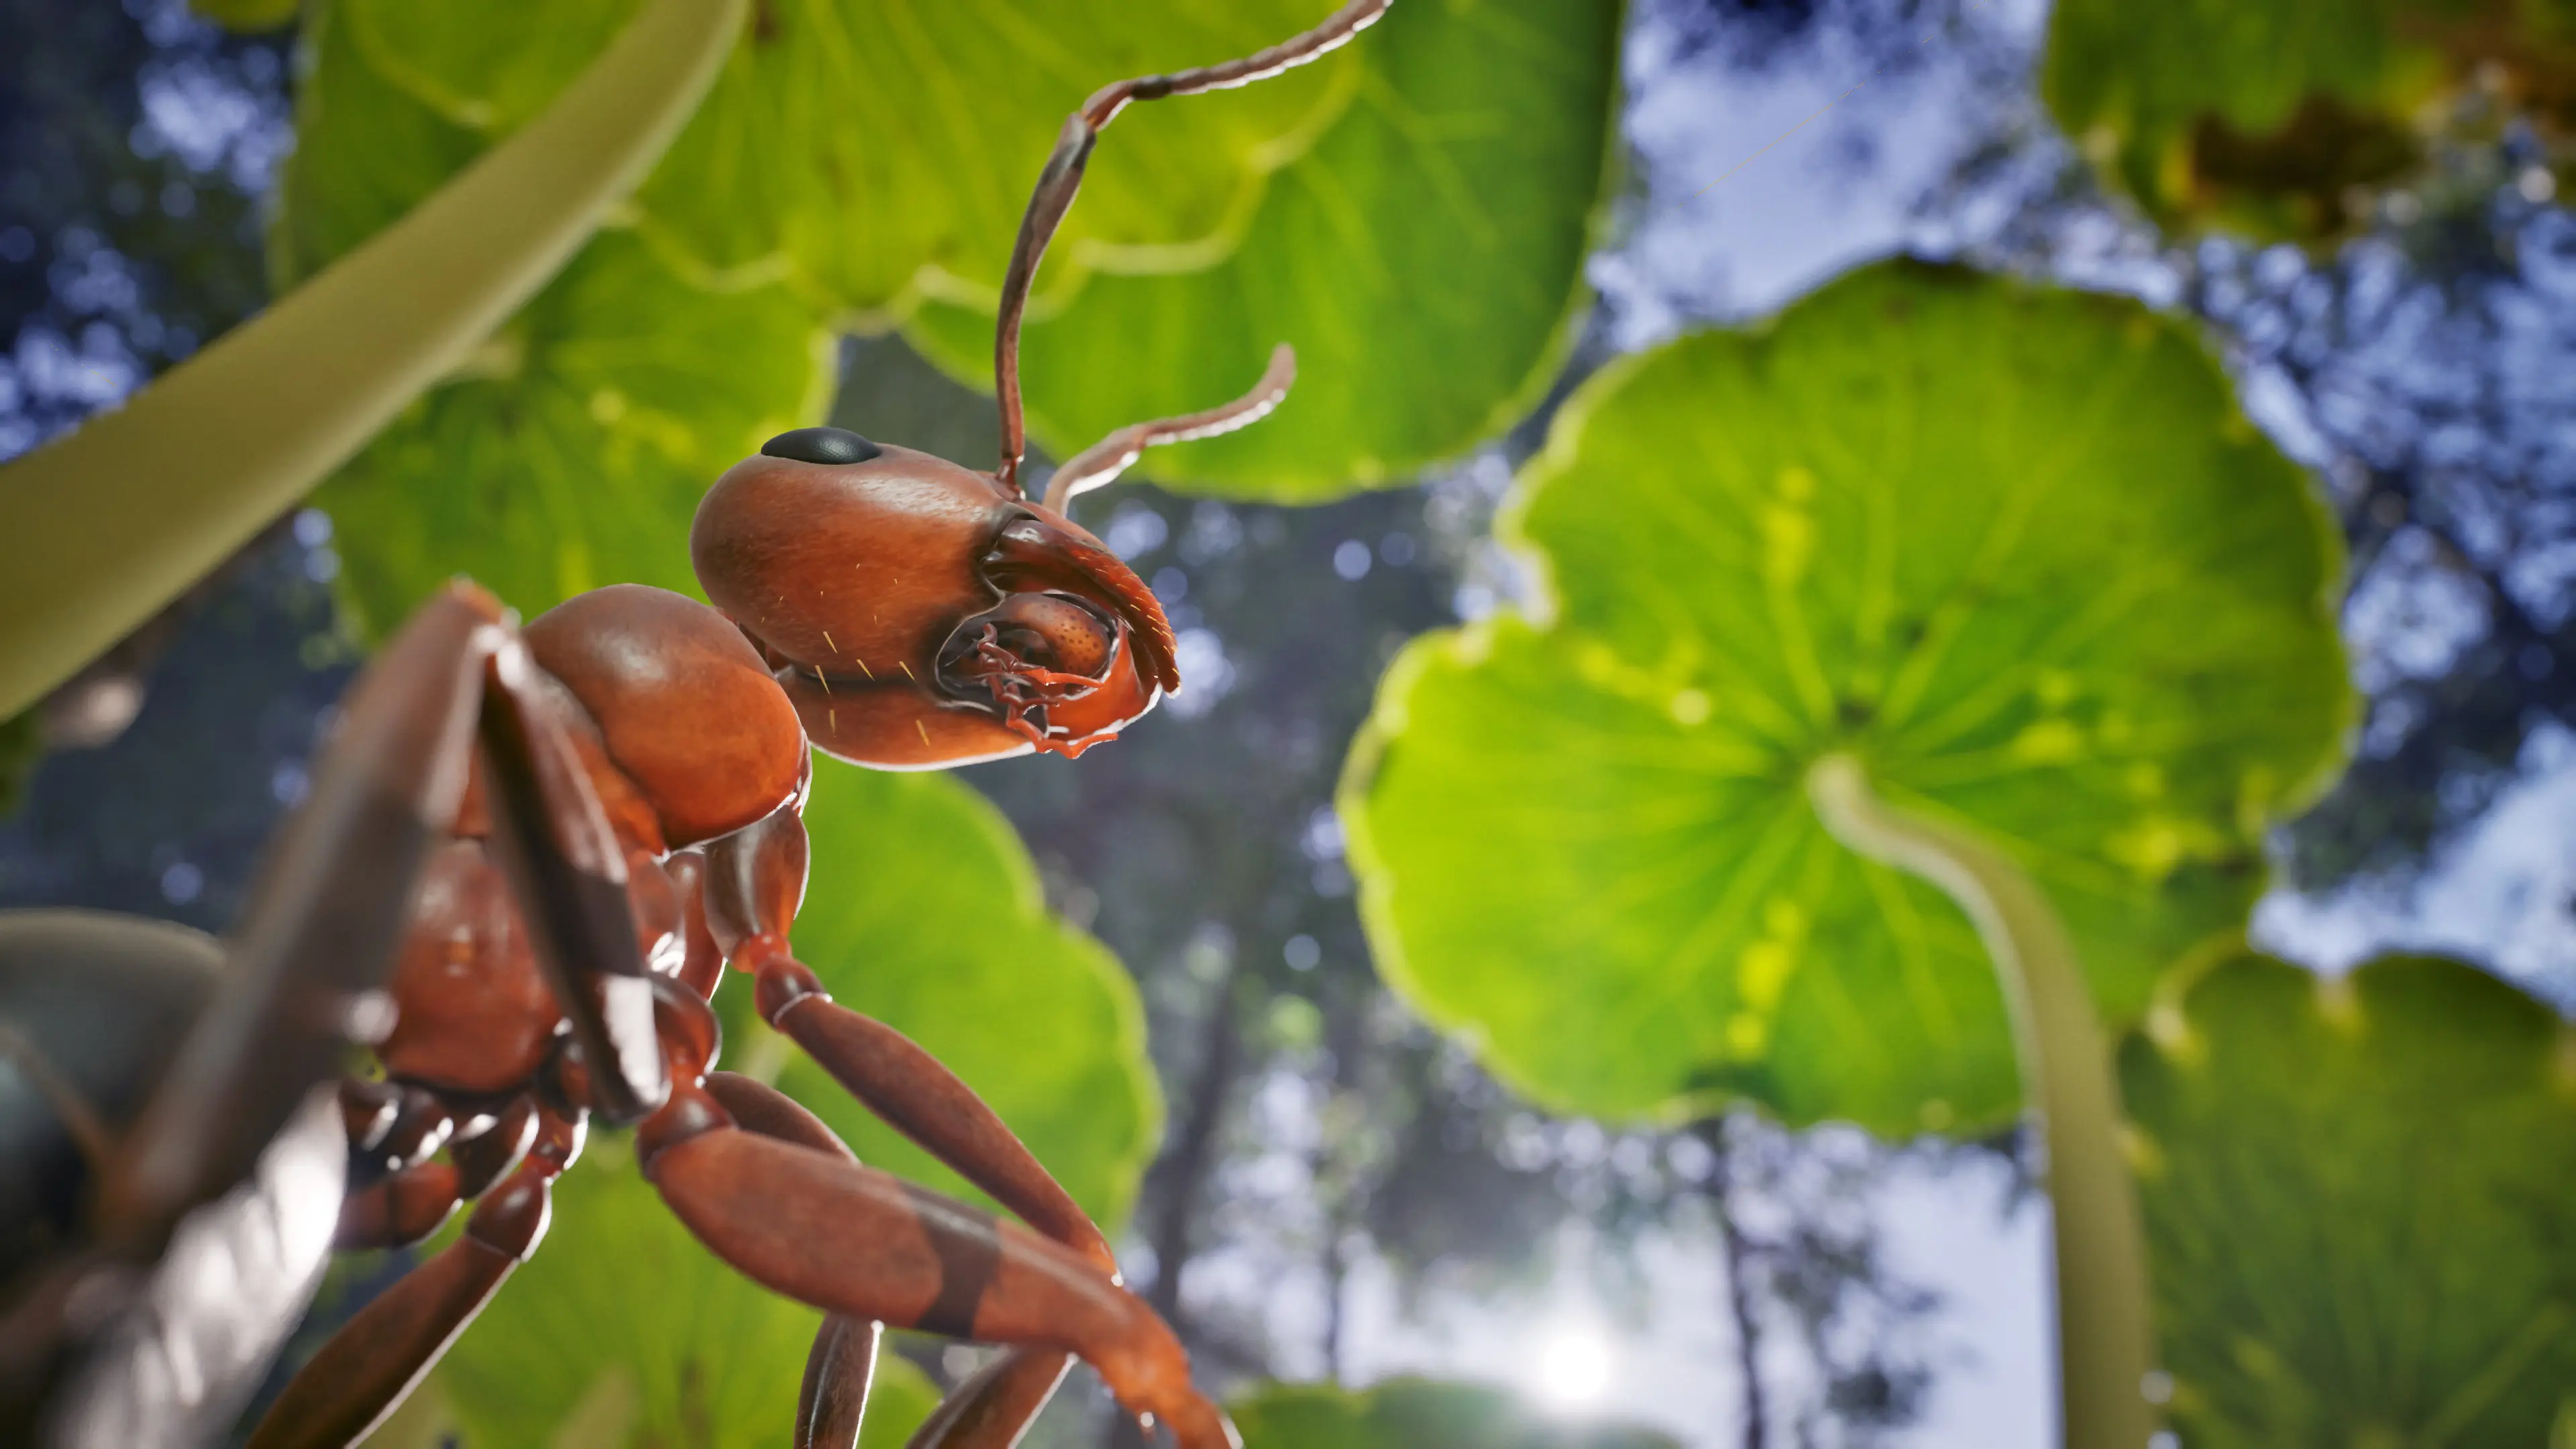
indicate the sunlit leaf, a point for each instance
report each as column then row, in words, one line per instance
column 365, row 152
column 925, row 912
column 1418, row 1414
column 623, row 1331
column 1412, row 213
column 1425, row 259
column 888, row 151
column 2356, row 1199
column 2015, row 549
column 868, row 154
column 2267, row 115
column 575, row 454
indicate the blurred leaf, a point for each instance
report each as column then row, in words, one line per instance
column 925, row 912
column 2262, row 115
column 2013, row 548
column 1426, row 260
column 2356, row 1197
column 868, row 154
column 576, row 454
column 1417, row 1414
column 622, row 1330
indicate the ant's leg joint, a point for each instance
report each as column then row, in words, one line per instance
column 511, row 1220
column 691, row 1112
column 783, row 981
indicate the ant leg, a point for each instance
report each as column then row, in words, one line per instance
column 843, row 1363
column 483, row 1158
column 838, row 1375
column 918, row 1096
column 411, row 1197
column 319, row 935
column 989, row 1411
column 995, row 1407
column 1106, row 459
column 220, row 1197
column 1062, row 179
column 379, row 1355
column 399, row 1209
column 567, row 873
column 754, row 880
column 859, row 1242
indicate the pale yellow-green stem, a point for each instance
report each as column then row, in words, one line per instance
column 2105, row 1325
column 102, row 528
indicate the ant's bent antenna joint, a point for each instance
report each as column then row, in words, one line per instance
column 1103, row 461
column 1054, row 195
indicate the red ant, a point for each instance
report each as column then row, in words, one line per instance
column 561, row 836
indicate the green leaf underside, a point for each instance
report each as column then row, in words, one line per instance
column 925, row 912
column 1417, row 1414
column 865, row 152
column 2311, row 96
column 611, row 402
column 2356, row 1200
column 2014, row 549
column 623, row 1331
column 1425, row 259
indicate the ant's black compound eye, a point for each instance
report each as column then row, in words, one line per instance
column 821, row 445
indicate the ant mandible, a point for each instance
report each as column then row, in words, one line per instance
column 602, row 811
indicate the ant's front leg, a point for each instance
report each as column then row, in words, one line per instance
column 567, row 873
column 459, row 679
column 755, row 879
column 989, row 1411
column 320, row 933
column 863, row 1243
column 834, row 1397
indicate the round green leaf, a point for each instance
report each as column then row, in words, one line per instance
column 2014, row 549
column 1426, row 259
column 623, row 1331
column 2263, row 115
column 873, row 154
column 576, row 454
column 2356, row 1200
column 925, row 912
column 888, row 151
column 1416, row 1414
column 365, row 152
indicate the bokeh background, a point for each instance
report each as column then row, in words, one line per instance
column 1341, row 1193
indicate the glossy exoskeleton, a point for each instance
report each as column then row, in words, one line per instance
column 602, row 812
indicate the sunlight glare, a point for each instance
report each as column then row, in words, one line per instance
column 1574, row 1368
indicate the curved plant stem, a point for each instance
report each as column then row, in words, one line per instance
column 2105, row 1334
column 102, row 527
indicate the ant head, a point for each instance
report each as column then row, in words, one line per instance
column 921, row 614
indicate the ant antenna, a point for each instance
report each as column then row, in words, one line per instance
column 1063, row 177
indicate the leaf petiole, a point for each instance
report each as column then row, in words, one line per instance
column 2105, row 1332
column 101, row 528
